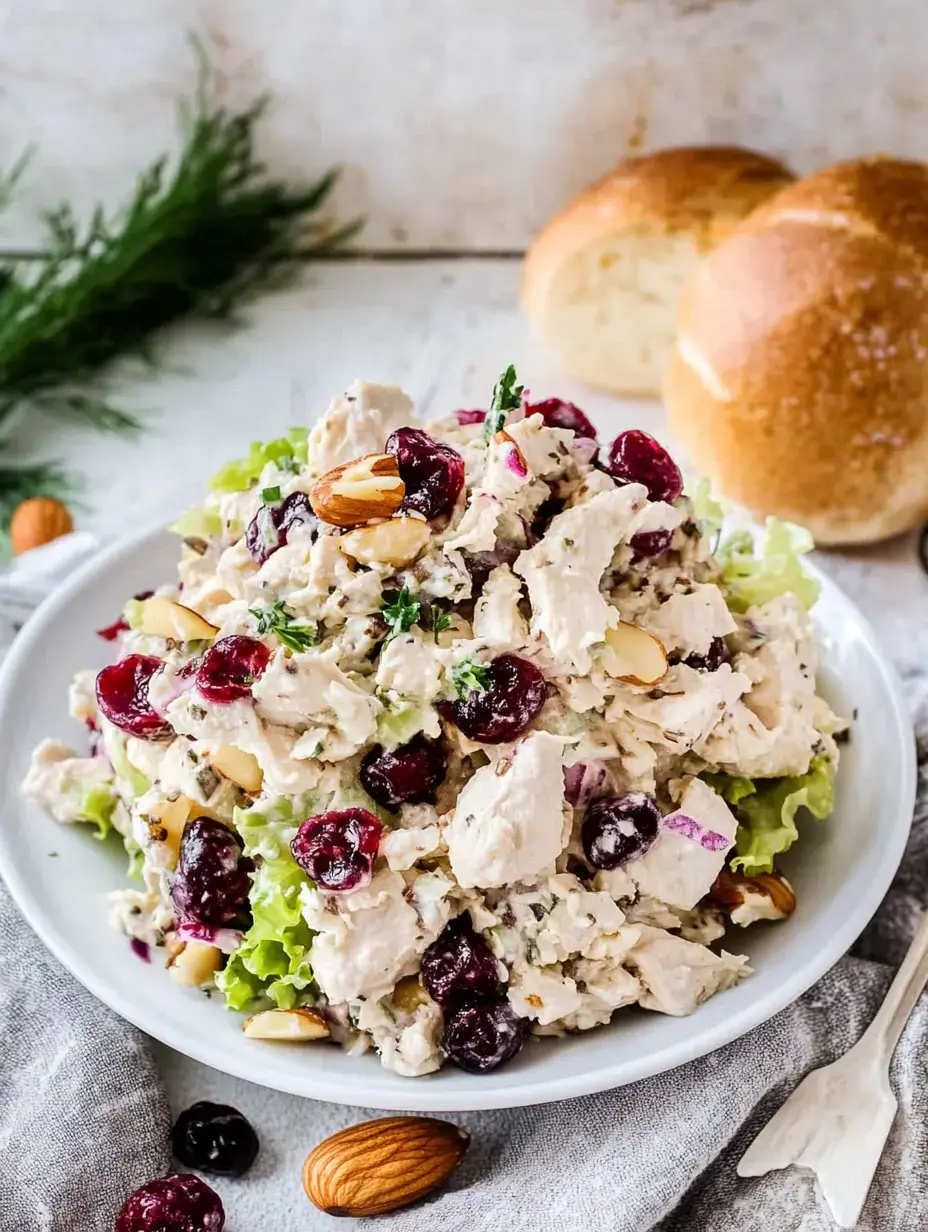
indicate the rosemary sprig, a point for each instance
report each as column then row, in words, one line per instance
column 19, row 483
column 201, row 236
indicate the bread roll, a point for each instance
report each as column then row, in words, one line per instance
column 799, row 380
column 602, row 279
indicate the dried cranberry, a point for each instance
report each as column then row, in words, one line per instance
column 230, row 667
column 432, row 472
column 618, row 828
column 470, row 417
column 459, row 967
column 649, row 543
column 408, row 774
column 212, row 880
column 122, row 695
column 337, row 849
column 270, row 528
column 214, row 1138
column 559, row 414
column 181, row 1203
column 110, row 633
column 480, row 1037
column 717, row 654
column 515, row 693
column 636, row 457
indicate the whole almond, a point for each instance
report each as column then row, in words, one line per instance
column 38, row 521
column 730, row 890
column 355, row 492
column 381, row 1165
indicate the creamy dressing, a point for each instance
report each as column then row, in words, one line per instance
column 538, row 557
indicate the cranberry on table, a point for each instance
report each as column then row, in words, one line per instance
column 122, row 695
column 460, row 967
column 636, row 457
column 230, row 667
column 214, row 1138
column 212, row 881
column 408, row 774
column 618, row 828
column 559, row 414
column 717, row 654
column 478, row 1038
column 337, row 849
column 649, row 543
column 515, row 693
column 470, row 417
column 180, row 1203
column 432, row 472
column 270, row 528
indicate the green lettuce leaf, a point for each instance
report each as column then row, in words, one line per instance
column 766, row 810
column 136, row 858
column 400, row 725
column 709, row 512
column 272, row 962
column 750, row 577
column 114, row 742
column 201, row 522
column 96, row 808
column 289, row 451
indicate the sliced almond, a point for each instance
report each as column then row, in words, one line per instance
column 636, row 656
column 296, row 1025
column 381, row 1165
column 195, row 965
column 241, row 767
column 164, row 617
column 166, row 821
column 763, row 896
column 370, row 487
column 396, row 542
column 172, row 947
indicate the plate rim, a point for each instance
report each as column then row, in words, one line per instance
column 423, row 1096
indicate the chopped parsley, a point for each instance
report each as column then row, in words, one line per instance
column 285, row 627
column 270, row 495
column 440, row 620
column 468, row 677
column 400, row 611
column 507, row 396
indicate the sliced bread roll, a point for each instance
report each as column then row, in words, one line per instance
column 800, row 375
column 603, row 278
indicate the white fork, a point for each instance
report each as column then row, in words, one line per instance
column 837, row 1120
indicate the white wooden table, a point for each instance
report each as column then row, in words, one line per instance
column 443, row 329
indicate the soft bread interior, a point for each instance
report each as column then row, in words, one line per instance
column 610, row 308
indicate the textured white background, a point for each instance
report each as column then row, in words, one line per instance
column 462, row 124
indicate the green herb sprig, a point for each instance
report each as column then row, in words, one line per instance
column 440, row 620
column 400, row 611
column 202, row 235
column 507, row 396
column 285, row 627
column 468, row 677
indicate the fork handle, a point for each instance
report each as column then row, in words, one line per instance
column 882, row 1036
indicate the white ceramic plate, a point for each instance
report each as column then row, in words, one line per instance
column 841, row 870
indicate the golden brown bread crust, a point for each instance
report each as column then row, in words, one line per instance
column 704, row 189
column 800, row 376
